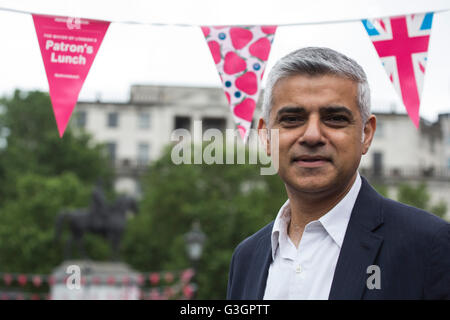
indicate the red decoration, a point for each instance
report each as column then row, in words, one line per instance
column 140, row 280
column 111, row 280
column 214, row 47
column 234, row 63
column 168, row 293
column 187, row 275
column 154, row 278
column 8, row 278
column 261, row 49
column 245, row 109
column 240, row 37
column 51, row 280
column 37, row 280
column 154, row 295
column 188, row 291
column 169, row 277
column 248, row 83
column 95, row 280
column 22, row 279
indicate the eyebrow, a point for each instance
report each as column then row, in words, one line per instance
column 290, row 109
column 336, row 109
column 322, row 110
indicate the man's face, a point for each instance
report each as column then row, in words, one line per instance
column 320, row 132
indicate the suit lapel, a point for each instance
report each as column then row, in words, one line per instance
column 360, row 246
column 256, row 282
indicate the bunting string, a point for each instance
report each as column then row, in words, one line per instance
column 177, row 292
column 139, row 279
column 191, row 25
column 152, row 285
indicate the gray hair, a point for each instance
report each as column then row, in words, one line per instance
column 315, row 61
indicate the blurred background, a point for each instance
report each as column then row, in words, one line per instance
column 147, row 81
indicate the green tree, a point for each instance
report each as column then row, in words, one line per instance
column 415, row 196
column 230, row 201
column 381, row 189
column 439, row 209
column 42, row 174
column 34, row 146
column 419, row 197
column 27, row 224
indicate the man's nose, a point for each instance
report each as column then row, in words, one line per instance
column 312, row 135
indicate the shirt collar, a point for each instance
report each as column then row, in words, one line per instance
column 280, row 225
column 334, row 221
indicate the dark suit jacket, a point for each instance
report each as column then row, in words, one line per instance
column 410, row 246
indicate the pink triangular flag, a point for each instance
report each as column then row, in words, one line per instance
column 402, row 45
column 68, row 48
column 240, row 55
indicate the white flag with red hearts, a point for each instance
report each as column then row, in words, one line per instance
column 240, row 55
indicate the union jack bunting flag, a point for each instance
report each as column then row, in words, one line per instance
column 402, row 45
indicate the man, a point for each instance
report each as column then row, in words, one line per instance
column 335, row 237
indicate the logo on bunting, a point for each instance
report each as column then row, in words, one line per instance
column 402, row 45
column 240, row 55
column 68, row 47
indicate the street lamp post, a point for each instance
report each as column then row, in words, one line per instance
column 195, row 240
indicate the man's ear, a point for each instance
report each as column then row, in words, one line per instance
column 369, row 131
column 264, row 137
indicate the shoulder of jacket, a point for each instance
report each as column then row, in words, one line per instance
column 252, row 241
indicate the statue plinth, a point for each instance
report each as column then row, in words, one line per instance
column 90, row 280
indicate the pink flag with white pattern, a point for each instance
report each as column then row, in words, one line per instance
column 402, row 45
column 240, row 55
column 68, row 48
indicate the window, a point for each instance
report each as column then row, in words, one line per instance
column 143, row 155
column 182, row 123
column 432, row 145
column 81, row 119
column 111, row 148
column 214, row 123
column 113, row 119
column 377, row 164
column 144, row 120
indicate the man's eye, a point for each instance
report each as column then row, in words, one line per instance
column 337, row 119
column 290, row 119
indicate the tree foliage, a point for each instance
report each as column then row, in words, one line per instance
column 230, row 201
column 419, row 197
column 34, row 146
column 41, row 174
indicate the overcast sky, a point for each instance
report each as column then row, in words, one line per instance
column 170, row 55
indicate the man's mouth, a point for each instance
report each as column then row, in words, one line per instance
column 308, row 161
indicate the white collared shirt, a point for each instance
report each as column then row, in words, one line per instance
column 307, row 272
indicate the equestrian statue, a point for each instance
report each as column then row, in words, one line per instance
column 107, row 220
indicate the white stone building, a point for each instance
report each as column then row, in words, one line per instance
column 136, row 133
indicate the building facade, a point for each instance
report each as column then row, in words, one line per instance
column 136, row 133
